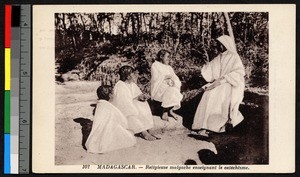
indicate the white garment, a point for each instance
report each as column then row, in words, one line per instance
column 138, row 113
column 222, row 102
column 109, row 131
column 160, row 90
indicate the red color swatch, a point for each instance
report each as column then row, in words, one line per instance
column 7, row 25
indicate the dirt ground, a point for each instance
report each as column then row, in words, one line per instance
column 247, row 144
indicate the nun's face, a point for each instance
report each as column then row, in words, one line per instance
column 166, row 59
column 220, row 47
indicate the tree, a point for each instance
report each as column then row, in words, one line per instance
column 229, row 28
column 85, row 39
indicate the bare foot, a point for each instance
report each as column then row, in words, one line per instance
column 165, row 116
column 147, row 136
column 174, row 115
column 203, row 133
column 152, row 134
column 156, row 137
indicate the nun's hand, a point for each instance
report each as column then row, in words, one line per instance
column 215, row 84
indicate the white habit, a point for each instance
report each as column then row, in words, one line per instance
column 138, row 113
column 160, row 90
column 222, row 102
column 109, row 131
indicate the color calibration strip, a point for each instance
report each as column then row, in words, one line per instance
column 7, row 138
column 17, row 89
column 14, row 90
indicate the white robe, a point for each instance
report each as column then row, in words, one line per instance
column 160, row 90
column 109, row 131
column 222, row 102
column 138, row 113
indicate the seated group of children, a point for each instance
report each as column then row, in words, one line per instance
column 123, row 112
column 128, row 114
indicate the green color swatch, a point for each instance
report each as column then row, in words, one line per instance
column 7, row 111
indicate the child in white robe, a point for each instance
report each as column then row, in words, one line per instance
column 129, row 99
column 110, row 127
column 219, row 104
column 165, row 85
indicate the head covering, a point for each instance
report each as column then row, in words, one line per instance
column 228, row 42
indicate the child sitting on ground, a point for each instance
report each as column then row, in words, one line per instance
column 165, row 85
column 129, row 99
column 109, row 131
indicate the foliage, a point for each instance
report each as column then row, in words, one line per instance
column 97, row 44
column 251, row 33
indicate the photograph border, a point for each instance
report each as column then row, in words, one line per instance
column 287, row 38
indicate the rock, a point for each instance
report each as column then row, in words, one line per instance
column 70, row 76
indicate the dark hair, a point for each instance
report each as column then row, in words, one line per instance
column 161, row 54
column 125, row 72
column 103, row 92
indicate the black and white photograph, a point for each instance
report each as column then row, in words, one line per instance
column 165, row 90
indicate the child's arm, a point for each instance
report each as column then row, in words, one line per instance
column 142, row 97
column 139, row 95
column 170, row 82
column 123, row 100
column 168, row 77
column 175, row 79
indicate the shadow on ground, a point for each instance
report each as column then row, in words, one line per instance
column 86, row 127
column 247, row 143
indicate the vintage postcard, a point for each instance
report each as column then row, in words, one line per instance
column 164, row 88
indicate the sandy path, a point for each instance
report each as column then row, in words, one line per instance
column 73, row 100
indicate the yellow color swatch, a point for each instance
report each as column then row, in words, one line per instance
column 7, row 68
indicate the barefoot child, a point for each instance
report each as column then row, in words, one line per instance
column 165, row 85
column 129, row 99
column 109, row 131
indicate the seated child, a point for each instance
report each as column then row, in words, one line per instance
column 109, row 131
column 129, row 99
column 165, row 85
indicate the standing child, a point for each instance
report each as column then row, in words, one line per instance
column 165, row 85
column 129, row 99
column 109, row 131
